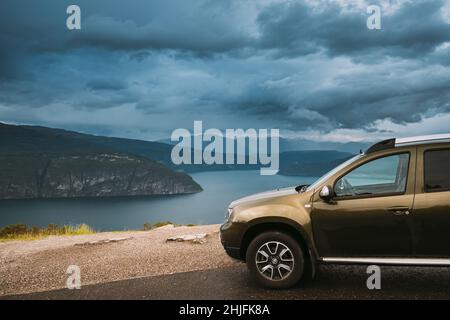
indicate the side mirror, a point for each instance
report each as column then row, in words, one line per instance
column 326, row 194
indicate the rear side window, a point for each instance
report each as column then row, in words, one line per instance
column 437, row 170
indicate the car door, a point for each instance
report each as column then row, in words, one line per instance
column 432, row 202
column 370, row 214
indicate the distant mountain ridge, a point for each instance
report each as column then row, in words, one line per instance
column 313, row 163
column 291, row 144
column 32, row 139
column 306, row 162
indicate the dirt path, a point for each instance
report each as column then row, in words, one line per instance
column 40, row 265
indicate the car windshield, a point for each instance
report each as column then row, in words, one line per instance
column 332, row 172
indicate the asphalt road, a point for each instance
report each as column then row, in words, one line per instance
column 331, row 282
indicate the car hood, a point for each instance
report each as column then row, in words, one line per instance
column 264, row 196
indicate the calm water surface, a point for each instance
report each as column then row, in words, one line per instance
column 206, row 207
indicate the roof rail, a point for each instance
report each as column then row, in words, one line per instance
column 402, row 142
column 382, row 145
column 421, row 139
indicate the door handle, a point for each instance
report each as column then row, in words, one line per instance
column 398, row 211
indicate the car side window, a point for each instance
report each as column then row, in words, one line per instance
column 437, row 170
column 385, row 175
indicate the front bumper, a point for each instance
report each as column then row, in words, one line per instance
column 231, row 235
column 234, row 253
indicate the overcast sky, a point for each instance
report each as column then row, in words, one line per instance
column 142, row 68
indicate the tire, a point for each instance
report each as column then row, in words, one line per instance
column 278, row 272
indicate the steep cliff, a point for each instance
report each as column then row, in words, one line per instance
column 88, row 175
column 38, row 162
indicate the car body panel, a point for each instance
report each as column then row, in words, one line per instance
column 363, row 226
column 290, row 208
column 431, row 214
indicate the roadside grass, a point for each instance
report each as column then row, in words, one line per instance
column 23, row 232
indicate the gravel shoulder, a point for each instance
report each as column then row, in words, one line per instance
column 40, row 265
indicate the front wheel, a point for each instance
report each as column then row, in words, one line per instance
column 275, row 260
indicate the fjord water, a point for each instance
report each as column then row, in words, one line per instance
column 104, row 214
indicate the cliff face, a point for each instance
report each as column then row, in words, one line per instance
column 88, row 175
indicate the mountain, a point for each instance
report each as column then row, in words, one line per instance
column 291, row 144
column 35, row 139
column 311, row 163
column 307, row 163
column 302, row 144
column 316, row 158
column 39, row 162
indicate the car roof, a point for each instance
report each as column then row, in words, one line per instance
column 402, row 142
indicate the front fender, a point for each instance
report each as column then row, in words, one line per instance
column 297, row 217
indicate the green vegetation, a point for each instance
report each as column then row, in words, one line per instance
column 149, row 226
column 23, row 232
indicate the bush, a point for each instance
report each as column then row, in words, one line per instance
column 53, row 229
column 149, row 226
column 14, row 229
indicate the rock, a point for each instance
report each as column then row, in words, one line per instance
column 102, row 241
column 198, row 238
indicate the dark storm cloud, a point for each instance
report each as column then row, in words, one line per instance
column 294, row 29
column 286, row 29
column 7, row 67
column 262, row 101
column 106, row 84
column 401, row 92
column 289, row 29
column 247, row 63
column 359, row 107
column 201, row 27
column 12, row 54
column 205, row 37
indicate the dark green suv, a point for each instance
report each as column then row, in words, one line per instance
column 389, row 205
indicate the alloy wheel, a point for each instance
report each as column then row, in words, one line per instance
column 274, row 260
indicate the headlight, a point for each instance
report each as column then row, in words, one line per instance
column 229, row 212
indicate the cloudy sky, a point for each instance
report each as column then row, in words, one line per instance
column 142, row 68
